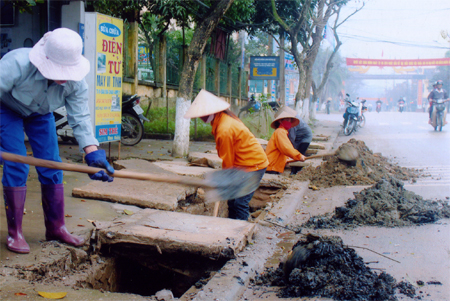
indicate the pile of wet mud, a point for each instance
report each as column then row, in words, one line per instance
column 387, row 204
column 325, row 267
column 368, row 170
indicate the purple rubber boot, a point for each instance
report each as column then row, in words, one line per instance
column 53, row 205
column 14, row 205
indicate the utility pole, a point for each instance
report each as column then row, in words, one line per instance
column 282, row 71
column 270, row 53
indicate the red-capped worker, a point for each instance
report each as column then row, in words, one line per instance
column 235, row 144
column 280, row 148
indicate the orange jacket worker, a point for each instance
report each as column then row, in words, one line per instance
column 235, row 144
column 280, row 148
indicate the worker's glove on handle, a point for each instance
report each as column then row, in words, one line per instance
column 98, row 159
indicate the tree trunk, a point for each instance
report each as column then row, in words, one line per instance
column 310, row 55
column 180, row 146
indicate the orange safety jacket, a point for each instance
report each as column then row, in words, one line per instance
column 236, row 145
column 279, row 149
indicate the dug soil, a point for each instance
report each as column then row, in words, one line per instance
column 322, row 266
column 368, row 170
column 387, row 204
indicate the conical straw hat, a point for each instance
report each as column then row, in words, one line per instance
column 285, row 112
column 206, row 104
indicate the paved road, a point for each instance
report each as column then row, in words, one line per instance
column 410, row 141
column 424, row 251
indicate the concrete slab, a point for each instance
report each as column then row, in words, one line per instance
column 174, row 232
column 182, row 168
column 144, row 194
column 213, row 159
column 315, row 145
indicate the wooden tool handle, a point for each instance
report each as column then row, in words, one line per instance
column 311, row 157
column 91, row 170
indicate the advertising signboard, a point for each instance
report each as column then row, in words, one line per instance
column 265, row 67
column 104, row 49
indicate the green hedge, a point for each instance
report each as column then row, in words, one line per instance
column 158, row 124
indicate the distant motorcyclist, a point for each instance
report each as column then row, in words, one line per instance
column 437, row 93
column 379, row 102
column 401, row 103
column 328, row 104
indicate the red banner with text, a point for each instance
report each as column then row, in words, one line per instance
column 395, row 63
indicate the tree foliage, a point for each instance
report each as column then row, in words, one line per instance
column 442, row 73
column 26, row 6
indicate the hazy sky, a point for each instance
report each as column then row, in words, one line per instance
column 396, row 29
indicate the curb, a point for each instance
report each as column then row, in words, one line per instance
column 233, row 278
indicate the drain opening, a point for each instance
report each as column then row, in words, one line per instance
column 137, row 270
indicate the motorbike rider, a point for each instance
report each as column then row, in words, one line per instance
column 379, row 102
column 401, row 101
column 33, row 83
column 437, row 93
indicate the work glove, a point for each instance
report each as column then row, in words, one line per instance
column 98, row 159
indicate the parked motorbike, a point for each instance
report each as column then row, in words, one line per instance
column 350, row 117
column 63, row 129
column 439, row 113
column 274, row 105
column 132, row 120
column 132, row 130
column 252, row 106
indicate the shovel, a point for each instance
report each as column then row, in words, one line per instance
column 223, row 185
column 345, row 153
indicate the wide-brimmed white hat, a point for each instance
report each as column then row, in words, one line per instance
column 206, row 104
column 58, row 56
column 285, row 112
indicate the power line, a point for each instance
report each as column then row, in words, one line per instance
column 375, row 40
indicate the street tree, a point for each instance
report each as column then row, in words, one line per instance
column 332, row 63
column 304, row 22
column 195, row 50
column 240, row 10
column 442, row 73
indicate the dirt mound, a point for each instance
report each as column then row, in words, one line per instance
column 327, row 268
column 369, row 169
column 388, row 204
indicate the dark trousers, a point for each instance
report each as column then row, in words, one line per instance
column 302, row 147
column 238, row 208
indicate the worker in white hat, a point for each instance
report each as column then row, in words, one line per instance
column 279, row 148
column 33, row 83
column 235, row 144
